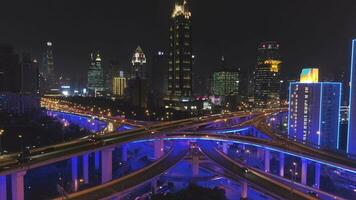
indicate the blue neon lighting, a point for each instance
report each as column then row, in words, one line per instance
column 289, row 103
column 350, row 97
column 252, row 144
column 234, row 130
column 320, row 111
column 339, row 118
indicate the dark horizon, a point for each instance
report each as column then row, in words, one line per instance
column 308, row 32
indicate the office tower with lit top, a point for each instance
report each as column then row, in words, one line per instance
column 47, row 69
column 267, row 75
column 180, row 54
column 138, row 64
column 137, row 84
column 95, row 75
column 351, row 138
column 314, row 110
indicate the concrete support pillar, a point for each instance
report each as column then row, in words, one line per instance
column 304, row 171
column 124, row 153
column 195, row 165
column 75, row 181
column 3, row 194
column 97, row 160
column 225, row 147
column 17, row 185
column 281, row 164
column 106, row 165
column 158, row 148
column 317, row 176
column 267, row 160
column 260, row 153
column 86, row 168
column 154, row 185
column 244, row 190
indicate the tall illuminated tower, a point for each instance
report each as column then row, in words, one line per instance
column 267, row 75
column 180, row 54
column 95, row 75
column 47, row 68
column 138, row 64
column 351, row 138
column 314, row 110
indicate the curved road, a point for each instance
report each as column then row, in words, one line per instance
column 120, row 186
column 251, row 176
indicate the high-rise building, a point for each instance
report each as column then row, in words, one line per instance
column 95, row 75
column 351, row 139
column 158, row 78
column 18, row 82
column 110, row 73
column 119, row 85
column 138, row 64
column 47, row 69
column 225, row 81
column 267, row 75
column 10, row 69
column 180, row 54
column 314, row 111
column 30, row 75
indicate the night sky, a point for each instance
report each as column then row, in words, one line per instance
column 310, row 32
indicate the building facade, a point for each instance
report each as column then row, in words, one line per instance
column 351, row 139
column 267, row 75
column 158, row 79
column 119, row 85
column 30, row 75
column 138, row 64
column 18, row 82
column 314, row 111
column 180, row 54
column 226, row 81
column 47, row 69
column 95, row 75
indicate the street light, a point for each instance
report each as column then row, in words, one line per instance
column 1, row 133
column 294, row 174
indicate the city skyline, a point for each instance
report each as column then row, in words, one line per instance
column 178, row 99
column 121, row 27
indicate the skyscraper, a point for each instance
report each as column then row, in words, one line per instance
column 10, row 69
column 351, row 139
column 314, row 110
column 137, row 84
column 180, row 54
column 225, row 81
column 47, row 68
column 18, row 82
column 119, row 85
column 95, row 75
column 30, row 75
column 138, row 64
column 158, row 79
column 267, row 75
column 110, row 73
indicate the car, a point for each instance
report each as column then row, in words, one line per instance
column 312, row 193
column 245, row 169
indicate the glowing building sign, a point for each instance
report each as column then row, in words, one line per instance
column 274, row 65
column 309, row 75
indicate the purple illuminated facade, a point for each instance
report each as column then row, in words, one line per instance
column 351, row 139
column 314, row 113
